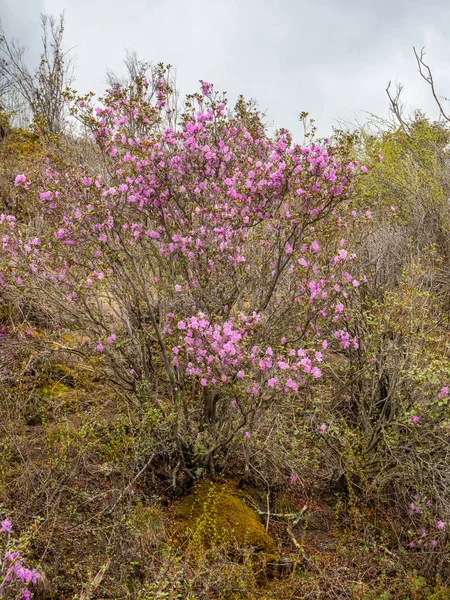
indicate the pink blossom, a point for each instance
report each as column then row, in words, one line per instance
column 206, row 87
column 20, row 179
column 5, row 525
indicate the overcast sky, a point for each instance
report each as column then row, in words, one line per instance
column 332, row 58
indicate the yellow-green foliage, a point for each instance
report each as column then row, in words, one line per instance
column 22, row 143
column 217, row 514
column 408, row 170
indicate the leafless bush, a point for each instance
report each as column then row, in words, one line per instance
column 42, row 89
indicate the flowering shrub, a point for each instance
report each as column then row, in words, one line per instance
column 198, row 259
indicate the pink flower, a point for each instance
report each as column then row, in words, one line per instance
column 315, row 247
column 5, row 525
column 440, row 524
column 99, row 347
column 272, row 381
column 203, row 382
column 303, row 263
column 19, row 179
column 206, row 87
column 240, row 374
column 414, row 418
column 443, row 393
column 112, row 338
column 293, row 479
column 181, row 325
column 234, row 403
column 248, row 435
column 315, row 372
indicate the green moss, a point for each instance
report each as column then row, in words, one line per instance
column 62, row 374
column 217, row 515
column 55, row 389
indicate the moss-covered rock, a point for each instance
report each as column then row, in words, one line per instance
column 218, row 515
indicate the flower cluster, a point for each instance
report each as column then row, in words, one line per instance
column 222, row 353
column 425, row 536
column 16, row 575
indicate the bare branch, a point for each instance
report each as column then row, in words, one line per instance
column 426, row 74
column 396, row 107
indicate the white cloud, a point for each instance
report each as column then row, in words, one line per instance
column 330, row 58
